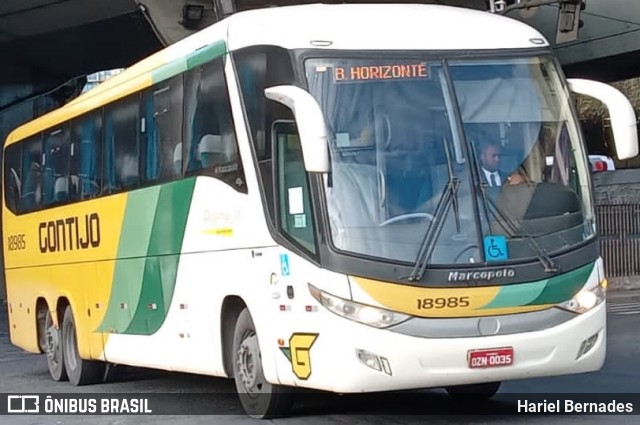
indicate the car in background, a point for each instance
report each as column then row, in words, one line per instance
column 598, row 163
column 601, row 163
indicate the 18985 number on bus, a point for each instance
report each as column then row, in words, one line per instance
column 442, row 302
column 17, row 242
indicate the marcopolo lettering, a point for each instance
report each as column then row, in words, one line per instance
column 68, row 234
column 484, row 275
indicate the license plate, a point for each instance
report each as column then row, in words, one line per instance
column 491, row 357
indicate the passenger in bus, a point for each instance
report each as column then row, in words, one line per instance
column 492, row 174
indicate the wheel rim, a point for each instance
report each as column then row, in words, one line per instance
column 52, row 345
column 69, row 339
column 250, row 376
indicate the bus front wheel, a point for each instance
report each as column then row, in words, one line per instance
column 80, row 371
column 473, row 392
column 259, row 398
column 53, row 349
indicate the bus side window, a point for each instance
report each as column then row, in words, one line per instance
column 162, row 131
column 210, row 146
column 296, row 217
column 85, row 167
column 120, row 146
column 32, row 174
column 259, row 67
column 13, row 176
column 55, row 178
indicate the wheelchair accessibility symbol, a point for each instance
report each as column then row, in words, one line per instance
column 495, row 248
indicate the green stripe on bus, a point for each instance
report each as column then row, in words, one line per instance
column 130, row 262
column 517, row 294
column 206, row 54
column 565, row 286
column 168, row 70
column 547, row 291
column 197, row 58
column 162, row 258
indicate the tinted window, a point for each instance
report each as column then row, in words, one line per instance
column 13, row 176
column 32, row 174
column 85, row 153
column 55, row 177
column 120, row 149
column 162, row 132
column 211, row 146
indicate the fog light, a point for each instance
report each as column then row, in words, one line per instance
column 373, row 361
column 369, row 359
column 587, row 345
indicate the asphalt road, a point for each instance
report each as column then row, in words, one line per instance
column 26, row 373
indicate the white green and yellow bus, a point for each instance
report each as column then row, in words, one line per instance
column 351, row 198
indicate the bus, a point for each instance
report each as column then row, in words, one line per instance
column 348, row 198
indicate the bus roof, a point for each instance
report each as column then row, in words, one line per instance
column 380, row 27
column 336, row 26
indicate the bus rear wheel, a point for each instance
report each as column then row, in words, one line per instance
column 259, row 398
column 81, row 372
column 53, row 349
column 473, row 392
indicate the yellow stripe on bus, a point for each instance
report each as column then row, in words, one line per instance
column 438, row 302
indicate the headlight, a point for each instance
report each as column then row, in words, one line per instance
column 361, row 313
column 586, row 299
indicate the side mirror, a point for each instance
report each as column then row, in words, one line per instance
column 623, row 117
column 310, row 123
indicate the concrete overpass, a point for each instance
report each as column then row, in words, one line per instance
column 55, row 40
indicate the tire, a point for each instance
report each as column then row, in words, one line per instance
column 53, row 349
column 259, row 398
column 80, row 372
column 473, row 393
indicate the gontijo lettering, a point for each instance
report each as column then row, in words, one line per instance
column 68, row 234
column 380, row 72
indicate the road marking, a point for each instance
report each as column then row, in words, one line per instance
column 624, row 308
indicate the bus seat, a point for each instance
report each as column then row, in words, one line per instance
column 61, row 189
column 129, row 171
column 14, row 190
column 16, row 180
column 212, row 150
column 177, row 159
column 74, row 186
column 31, row 189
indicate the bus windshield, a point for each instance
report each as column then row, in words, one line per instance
column 478, row 160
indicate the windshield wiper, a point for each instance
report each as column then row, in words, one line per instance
column 447, row 199
column 546, row 261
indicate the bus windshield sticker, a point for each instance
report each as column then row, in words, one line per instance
column 495, row 248
column 299, row 221
column 296, row 204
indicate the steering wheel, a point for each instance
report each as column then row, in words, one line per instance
column 409, row 216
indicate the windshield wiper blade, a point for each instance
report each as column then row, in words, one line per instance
column 428, row 242
column 447, row 199
column 546, row 261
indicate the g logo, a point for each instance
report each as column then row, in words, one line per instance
column 299, row 353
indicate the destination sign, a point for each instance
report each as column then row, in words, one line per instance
column 380, row 72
